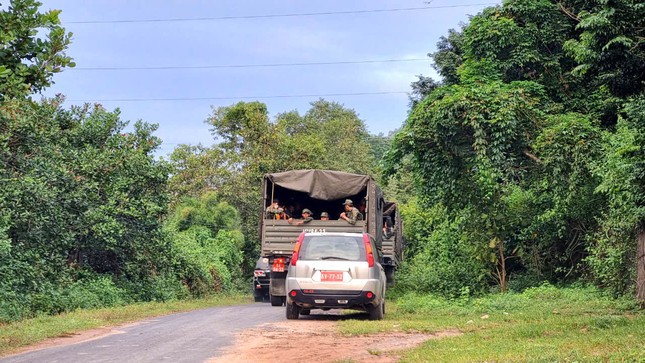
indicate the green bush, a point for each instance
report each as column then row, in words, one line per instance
column 206, row 245
column 81, row 203
column 13, row 306
column 154, row 288
column 89, row 294
column 442, row 262
column 520, row 281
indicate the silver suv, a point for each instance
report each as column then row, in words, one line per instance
column 335, row 271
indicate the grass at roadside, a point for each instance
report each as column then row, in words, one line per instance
column 544, row 324
column 30, row 331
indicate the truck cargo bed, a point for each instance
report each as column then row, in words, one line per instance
column 280, row 237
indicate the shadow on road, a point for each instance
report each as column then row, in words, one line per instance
column 328, row 315
column 335, row 315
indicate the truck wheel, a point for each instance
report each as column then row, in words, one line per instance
column 276, row 300
column 389, row 275
column 293, row 311
column 376, row 312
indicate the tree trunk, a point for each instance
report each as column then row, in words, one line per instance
column 500, row 267
column 640, row 267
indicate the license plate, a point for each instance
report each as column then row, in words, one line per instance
column 331, row 276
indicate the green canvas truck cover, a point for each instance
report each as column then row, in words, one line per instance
column 321, row 184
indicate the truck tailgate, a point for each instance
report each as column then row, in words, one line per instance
column 279, row 237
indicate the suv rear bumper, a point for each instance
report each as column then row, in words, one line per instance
column 331, row 299
column 261, row 282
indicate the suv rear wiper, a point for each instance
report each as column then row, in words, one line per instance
column 334, row 257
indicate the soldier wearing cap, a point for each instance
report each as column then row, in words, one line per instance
column 306, row 217
column 351, row 214
column 324, row 216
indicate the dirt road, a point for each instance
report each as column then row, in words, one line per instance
column 244, row 333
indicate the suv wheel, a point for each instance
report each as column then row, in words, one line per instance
column 376, row 311
column 293, row 311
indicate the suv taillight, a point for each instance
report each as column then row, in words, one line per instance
column 368, row 250
column 296, row 249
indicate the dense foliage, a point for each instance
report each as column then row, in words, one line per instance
column 207, row 245
column 27, row 61
column 81, row 204
column 83, row 200
column 533, row 144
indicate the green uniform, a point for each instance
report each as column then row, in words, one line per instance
column 308, row 219
column 354, row 215
column 273, row 213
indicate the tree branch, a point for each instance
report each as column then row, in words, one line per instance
column 532, row 156
column 568, row 12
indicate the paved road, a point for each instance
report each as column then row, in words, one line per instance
column 186, row 337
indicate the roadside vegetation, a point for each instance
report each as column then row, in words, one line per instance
column 526, row 157
column 541, row 324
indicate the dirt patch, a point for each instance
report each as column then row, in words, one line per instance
column 317, row 340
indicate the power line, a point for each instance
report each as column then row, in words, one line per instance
column 247, row 65
column 266, row 16
column 240, row 97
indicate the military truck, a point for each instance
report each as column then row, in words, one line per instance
column 393, row 241
column 324, row 191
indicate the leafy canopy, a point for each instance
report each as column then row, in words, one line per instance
column 32, row 48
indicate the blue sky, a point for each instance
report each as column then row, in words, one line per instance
column 246, row 40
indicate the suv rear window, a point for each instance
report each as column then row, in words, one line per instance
column 350, row 248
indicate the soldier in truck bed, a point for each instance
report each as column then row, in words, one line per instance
column 274, row 211
column 351, row 214
column 306, row 217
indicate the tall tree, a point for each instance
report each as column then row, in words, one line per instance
column 516, row 129
column 29, row 56
column 196, row 171
column 248, row 150
column 327, row 136
column 80, row 198
column 611, row 46
column 618, row 252
column 470, row 144
column 449, row 56
column 343, row 135
column 610, row 52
